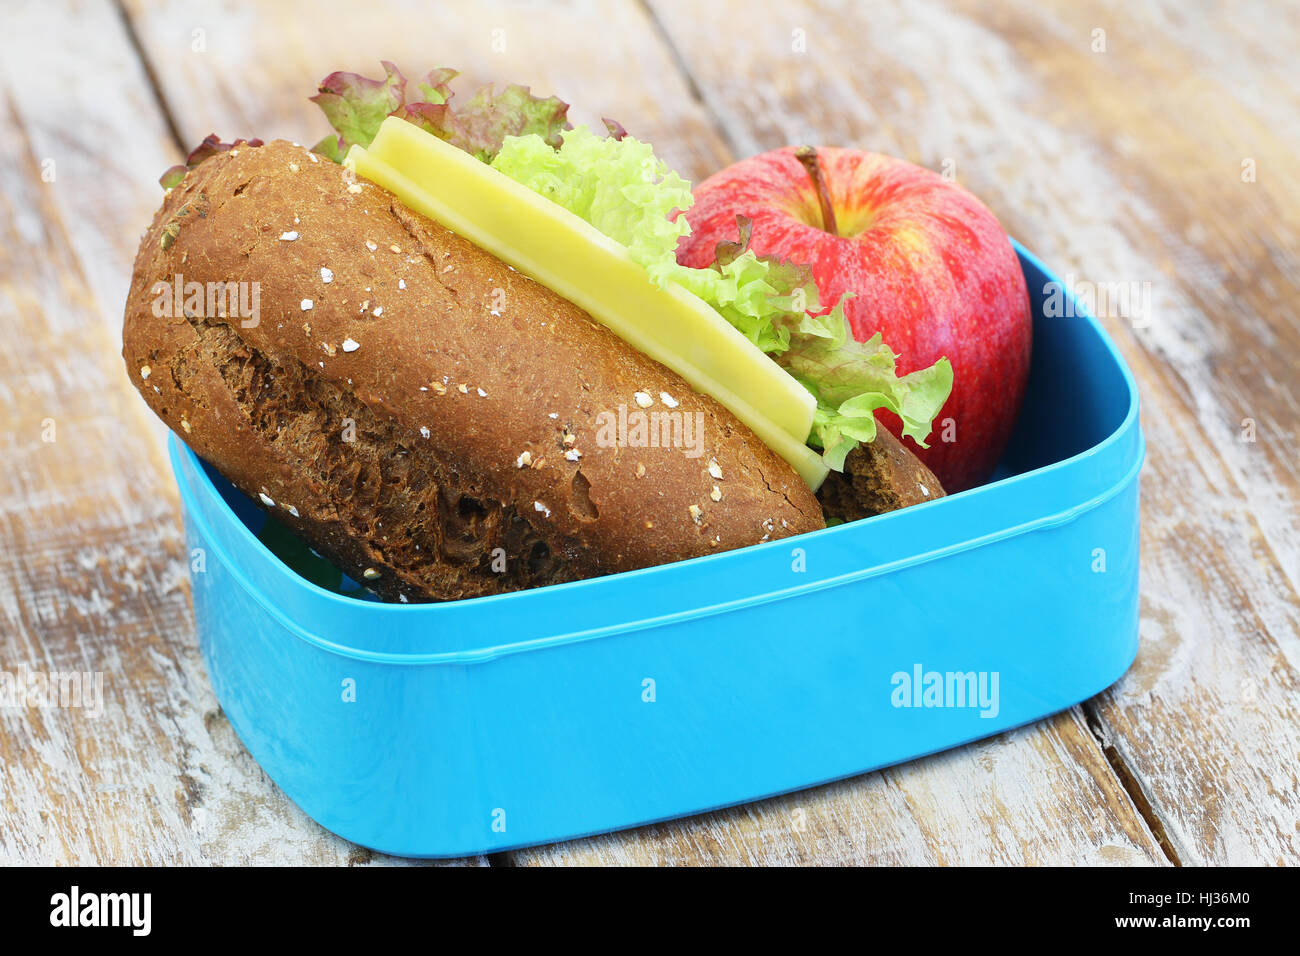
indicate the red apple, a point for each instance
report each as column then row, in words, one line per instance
column 928, row 265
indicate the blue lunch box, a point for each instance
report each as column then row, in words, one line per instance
column 476, row 726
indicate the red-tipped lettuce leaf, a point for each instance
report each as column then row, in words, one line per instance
column 211, row 146
column 482, row 124
column 356, row 106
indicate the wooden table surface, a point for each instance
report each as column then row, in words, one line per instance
column 1122, row 141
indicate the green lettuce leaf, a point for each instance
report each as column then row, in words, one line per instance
column 617, row 185
column 356, row 106
column 766, row 298
column 849, row 379
column 852, row 379
column 625, row 191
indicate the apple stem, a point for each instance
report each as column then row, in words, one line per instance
column 807, row 156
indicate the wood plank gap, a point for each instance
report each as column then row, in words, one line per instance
column 688, row 77
column 1128, row 779
column 147, row 65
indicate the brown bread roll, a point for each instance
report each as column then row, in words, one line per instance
column 434, row 422
column 879, row 477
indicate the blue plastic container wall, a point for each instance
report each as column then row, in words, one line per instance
column 477, row 726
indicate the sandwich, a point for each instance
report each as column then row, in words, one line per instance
column 451, row 348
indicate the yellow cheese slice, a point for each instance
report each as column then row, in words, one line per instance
column 563, row 252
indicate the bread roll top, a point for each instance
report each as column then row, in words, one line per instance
column 416, row 409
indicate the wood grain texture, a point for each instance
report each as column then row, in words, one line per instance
column 97, row 141
column 1038, row 795
column 92, row 570
column 609, row 60
column 262, row 61
column 1122, row 165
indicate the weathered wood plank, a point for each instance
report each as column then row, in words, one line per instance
column 262, row 61
column 1039, row 795
column 1122, row 165
column 80, row 92
column 626, row 72
column 92, row 574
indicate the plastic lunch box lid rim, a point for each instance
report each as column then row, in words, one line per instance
column 177, row 448
column 491, row 652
